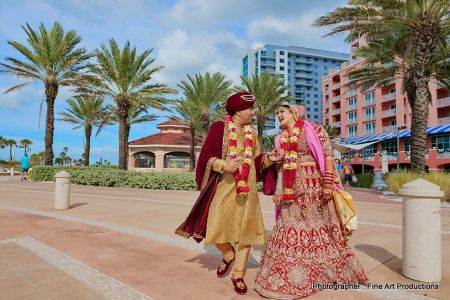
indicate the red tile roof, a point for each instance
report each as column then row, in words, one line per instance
column 167, row 138
column 172, row 123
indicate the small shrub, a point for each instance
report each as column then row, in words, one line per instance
column 364, row 180
column 396, row 179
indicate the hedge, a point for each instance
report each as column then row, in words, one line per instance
column 113, row 177
column 364, row 180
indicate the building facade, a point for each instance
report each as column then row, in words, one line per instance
column 301, row 68
column 383, row 114
column 166, row 151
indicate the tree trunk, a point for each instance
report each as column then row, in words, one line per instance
column 128, row 138
column 419, row 124
column 260, row 122
column 51, row 90
column 10, row 153
column 123, row 141
column 87, row 146
column 192, row 151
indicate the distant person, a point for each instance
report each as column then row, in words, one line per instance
column 73, row 164
column 348, row 174
column 25, row 161
column 338, row 164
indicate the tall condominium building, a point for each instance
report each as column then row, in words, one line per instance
column 302, row 69
column 383, row 115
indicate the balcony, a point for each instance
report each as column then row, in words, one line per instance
column 336, row 99
column 443, row 102
column 305, row 69
column 303, row 83
column 389, row 97
column 351, row 93
column 389, row 129
column 352, row 121
column 369, row 117
column 307, row 76
column 443, row 154
column 369, row 131
column 352, row 134
column 336, row 86
column 268, row 63
column 444, row 121
column 351, row 107
column 368, row 102
column 302, row 61
column 337, row 124
column 389, row 113
column 337, row 111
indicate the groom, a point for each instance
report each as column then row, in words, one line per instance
column 228, row 210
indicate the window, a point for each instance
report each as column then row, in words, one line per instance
column 325, row 60
column 144, row 160
column 370, row 128
column 308, row 88
column 308, row 102
column 316, row 96
column 281, row 52
column 316, row 89
column 370, row 111
column 316, row 116
column 407, row 144
column 390, row 147
column 369, row 96
column 370, row 150
column 281, row 60
column 263, row 53
column 308, row 109
column 352, row 131
column 352, row 103
column 281, row 68
column 316, row 81
column 325, row 68
column 441, row 142
column 308, row 59
column 315, row 59
column 282, row 75
column 308, row 116
column 352, row 115
column 308, row 95
column 316, row 74
column 316, row 109
column 316, row 67
column 316, row 102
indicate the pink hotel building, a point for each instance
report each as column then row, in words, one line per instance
column 383, row 114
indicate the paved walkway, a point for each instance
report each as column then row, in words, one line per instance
column 126, row 235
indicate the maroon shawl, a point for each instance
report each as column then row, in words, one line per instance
column 206, row 179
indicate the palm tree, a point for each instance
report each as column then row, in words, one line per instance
column 52, row 58
column 208, row 92
column 25, row 144
column 85, row 112
column 10, row 143
column 407, row 39
column 270, row 93
column 187, row 111
column 124, row 75
column 268, row 143
column 37, row 158
column 332, row 133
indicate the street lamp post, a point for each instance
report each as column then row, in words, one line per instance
column 398, row 145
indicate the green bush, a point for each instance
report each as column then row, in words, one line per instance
column 396, row 179
column 364, row 180
column 114, row 177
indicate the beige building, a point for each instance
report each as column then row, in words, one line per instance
column 166, row 151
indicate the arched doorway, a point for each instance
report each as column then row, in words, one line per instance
column 176, row 160
column 144, row 160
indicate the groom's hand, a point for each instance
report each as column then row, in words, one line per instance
column 231, row 165
column 276, row 155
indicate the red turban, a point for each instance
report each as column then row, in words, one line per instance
column 239, row 101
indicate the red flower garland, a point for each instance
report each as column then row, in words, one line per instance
column 241, row 178
column 289, row 143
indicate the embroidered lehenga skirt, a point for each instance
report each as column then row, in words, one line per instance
column 306, row 245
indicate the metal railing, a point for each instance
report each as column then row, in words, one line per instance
column 370, row 117
column 389, row 113
column 336, row 111
column 390, row 96
column 444, row 121
column 337, row 124
column 336, row 98
column 368, row 102
column 351, row 107
column 389, row 129
column 336, row 86
column 443, row 102
column 352, row 121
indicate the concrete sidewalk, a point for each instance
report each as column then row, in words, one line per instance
column 127, row 235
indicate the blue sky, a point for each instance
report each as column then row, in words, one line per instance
column 187, row 36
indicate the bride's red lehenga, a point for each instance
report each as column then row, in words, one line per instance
column 307, row 246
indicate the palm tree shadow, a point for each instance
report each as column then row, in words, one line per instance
column 383, row 256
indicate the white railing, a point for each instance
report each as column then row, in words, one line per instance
column 336, row 98
column 443, row 155
column 443, row 102
column 368, row 102
column 336, row 86
column 389, row 113
column 351, row 106
column 352, row 134
column 370, row 117
column 351, row 93
column 444, row 121
column 352, row 121
column 337, row 124
column 389, row 129
column 337, row 111
column 389, row 96
column 371, row 131
column 392, row 157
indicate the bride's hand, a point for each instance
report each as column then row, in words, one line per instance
column 276, row 155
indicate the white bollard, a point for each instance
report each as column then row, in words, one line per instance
column 421, row 230
column 62, row 190
column 11, row 172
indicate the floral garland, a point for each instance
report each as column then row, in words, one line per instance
column 240, row 177
column 289, row 143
